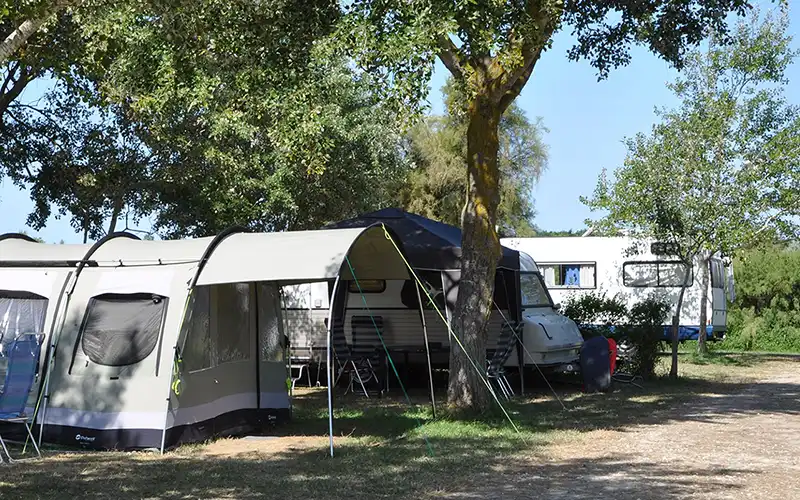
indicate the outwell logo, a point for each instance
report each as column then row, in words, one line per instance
column 84, row 439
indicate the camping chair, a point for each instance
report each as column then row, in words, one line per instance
column 357, row 368
column 622, row 361
column 367, row 345
column 300, row 363
column 496, row 364
column 23, row 358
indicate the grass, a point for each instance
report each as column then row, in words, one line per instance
column 384, row 447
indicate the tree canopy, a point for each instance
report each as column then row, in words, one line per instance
column 218, row 113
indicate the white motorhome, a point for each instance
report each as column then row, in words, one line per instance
column 573, row 266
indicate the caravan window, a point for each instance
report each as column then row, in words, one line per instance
column 122, row 329
column 533, row 291
column 20, row 312
column 655, row 274
column 367, row 286
column 569, row 275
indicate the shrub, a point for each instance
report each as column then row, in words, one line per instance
column 766, row 314
column 638, row 330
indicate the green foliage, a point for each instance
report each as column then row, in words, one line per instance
column 214, row 114
column 81, row 161
column 436, row 185
column 638, row 330
column 398, row 40
column 595, row 308
column 766, row 313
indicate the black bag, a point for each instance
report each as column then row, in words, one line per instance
column 596, row 365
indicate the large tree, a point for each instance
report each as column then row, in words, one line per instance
column 722, row 170
column 491, row 48
column 438, row 150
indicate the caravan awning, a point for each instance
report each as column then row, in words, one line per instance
column 304, row 256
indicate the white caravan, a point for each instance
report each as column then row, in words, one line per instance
column 550, row 339
column 573, row 266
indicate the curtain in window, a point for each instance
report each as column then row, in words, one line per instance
column 572, row 275
column 587, row 276
column 549, row 275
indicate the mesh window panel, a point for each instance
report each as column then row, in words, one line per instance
column 20, row 312
column 269, row 323
column 121, row 330
column 197, row 349
column 231, row 337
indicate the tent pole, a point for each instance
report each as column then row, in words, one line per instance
column 330, row 363
column 55, row 333
column 427, row 347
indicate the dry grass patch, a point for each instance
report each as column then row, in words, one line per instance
column 386, row 449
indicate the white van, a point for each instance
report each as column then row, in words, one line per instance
column 550, row 339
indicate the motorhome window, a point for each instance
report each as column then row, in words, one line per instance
column 533, row 291
column 122, row 329
column 20, row 312
column 660, row 248
column 673, row 274
column 569, row 275
column 717, row 276
column 654, row 274
column 367, row 286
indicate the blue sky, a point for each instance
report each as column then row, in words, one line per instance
column 587, row 120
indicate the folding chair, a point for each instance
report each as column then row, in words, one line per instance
column 300, row 363
column 496, row 364
column 358, row 368
column 23, row 358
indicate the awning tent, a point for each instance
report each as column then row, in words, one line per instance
column 435, row 246
column 162, row 342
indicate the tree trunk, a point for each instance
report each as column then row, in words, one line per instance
column 480, row 252
column 676, row 321
column 20, row 36
column 704, row 282
column 112, row 225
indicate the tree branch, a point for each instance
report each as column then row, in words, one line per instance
column 448, row 54
column 20, row 35
column 16, row 89
column 12, row 70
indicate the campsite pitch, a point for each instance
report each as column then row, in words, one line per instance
column 727, row 430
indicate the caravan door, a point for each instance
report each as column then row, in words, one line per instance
column 719, row 305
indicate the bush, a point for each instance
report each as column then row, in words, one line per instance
column 638, row 330
column 766, row 314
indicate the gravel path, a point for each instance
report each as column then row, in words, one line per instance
column 722, row 445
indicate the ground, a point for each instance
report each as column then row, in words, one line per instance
column 727, row 430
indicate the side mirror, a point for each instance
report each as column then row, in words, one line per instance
column 557, row 306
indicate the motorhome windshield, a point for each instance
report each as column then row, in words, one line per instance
column 534, row 293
